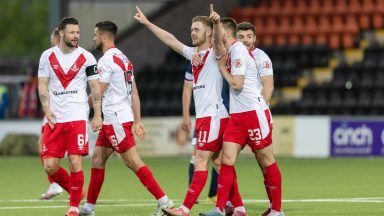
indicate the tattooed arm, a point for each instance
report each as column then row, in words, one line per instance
column 96, row 102
column 44, row 99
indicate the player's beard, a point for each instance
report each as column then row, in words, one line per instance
column 199, row 41
column 69, row 43
column 99, row 46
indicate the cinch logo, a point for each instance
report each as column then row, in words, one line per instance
column 360, row 136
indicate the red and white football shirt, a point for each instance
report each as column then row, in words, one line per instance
column 241, row 62
column 68, row 82
column 116, row 69
column 207, row 84
column 263, row 64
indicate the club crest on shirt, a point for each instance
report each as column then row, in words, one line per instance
column 74, row 68
column 267, row 64
column 55, row 67
column 100, row 71
column 237, row 63
column 44, row 148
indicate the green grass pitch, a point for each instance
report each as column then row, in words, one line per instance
column 344, row 186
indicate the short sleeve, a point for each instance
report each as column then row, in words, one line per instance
column 188, row 73
column 188, row 52
column 264, row 64
column 238, row 61
column 91, row 62
column 43, row 66
column 104, row 71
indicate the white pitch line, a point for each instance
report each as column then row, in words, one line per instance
column 345, row 200
column 65, row 206
column 66, row 200
column 179, row 200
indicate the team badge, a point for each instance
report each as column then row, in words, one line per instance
column 267, row 64
column 237, row 63
column 74, row 68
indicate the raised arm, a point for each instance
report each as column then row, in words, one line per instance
column 96, row 102
column 166, row 37
column 44, row 99
column 218, row 45
column 139, row 127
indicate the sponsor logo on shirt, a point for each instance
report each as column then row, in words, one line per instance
column 64, row 92
column 199, row 87
column 55, row 67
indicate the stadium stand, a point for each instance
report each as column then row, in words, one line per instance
column 309, row 43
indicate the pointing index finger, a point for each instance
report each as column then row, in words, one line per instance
column 211, row 8
column 138, row 9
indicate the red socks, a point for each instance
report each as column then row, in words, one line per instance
column 273, row 181
column 267, row 189
column 224, row 186
column 147, row 179
column 62, row 178
column 235, row 196
column 197, row 185
column 97, row 179
column 76, row 188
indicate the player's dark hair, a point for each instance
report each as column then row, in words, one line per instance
column 67, row 21
column 229, row 23
column 203, row 19
column 107, row 26
column 244, row 26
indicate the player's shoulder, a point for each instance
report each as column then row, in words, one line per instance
column 48, row 52
column 86, row 53
column 239, row 47
column 260, row 54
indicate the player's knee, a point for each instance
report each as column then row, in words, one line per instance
column 75, row 165
column 51, row 169
column 134, row 163
column 201, row 163
column 98, row 162
column 265, row 158
column 228, row 159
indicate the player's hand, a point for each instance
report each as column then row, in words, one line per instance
column 140, row 17
column 181, row 136
column 196, row 59
column 213, row 16
column 223, row 60
column 186, row 124
column 51, row 118
column 140, row 130
column 96, row 123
